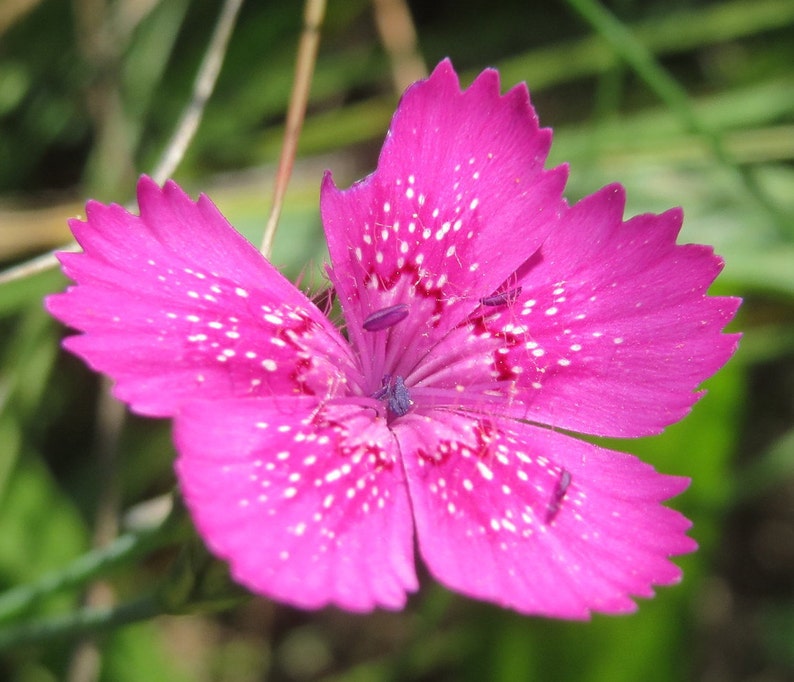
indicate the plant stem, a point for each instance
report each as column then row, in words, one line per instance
column 80, row 622
column 313, row 14
column 180, row 140
column 398, row 35
column 203, row 86
column 92, row 564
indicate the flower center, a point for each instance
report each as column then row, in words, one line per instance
column 396, row 394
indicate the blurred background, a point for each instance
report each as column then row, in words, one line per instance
column 686, row 102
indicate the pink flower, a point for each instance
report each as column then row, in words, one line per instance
column 483, row 317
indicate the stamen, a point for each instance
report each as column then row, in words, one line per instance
column 557, row 496
column 396, row 394
column 501, row 298
column 386, row 317
column 399, row 398
column 383, row 391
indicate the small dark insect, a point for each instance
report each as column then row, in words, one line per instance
column 501, row 298
column 386, row 317
column 553, row 508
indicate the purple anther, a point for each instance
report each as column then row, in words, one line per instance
column 399, row 398
column 386, row 317
column 396, row 394
column 384, row 389
column 558, row 495
column 501, row 298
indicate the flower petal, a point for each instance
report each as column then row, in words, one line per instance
column 460, row 175
column 609, row 330
column 535, row 520
column 175, row 304
column 307, row 502
column 626, row 323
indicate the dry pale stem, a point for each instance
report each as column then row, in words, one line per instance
column 398, row 35
column 313, row 14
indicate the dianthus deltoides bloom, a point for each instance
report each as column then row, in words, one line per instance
column 484, row 319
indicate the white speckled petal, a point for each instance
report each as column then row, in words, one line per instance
column 175, row 304
column 608, row 329
column 459, row 200
column 307, row 502
column 537, row 521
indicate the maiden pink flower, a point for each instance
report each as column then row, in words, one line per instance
column 483, row 317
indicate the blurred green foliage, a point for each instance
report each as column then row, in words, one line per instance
column 89, row 94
